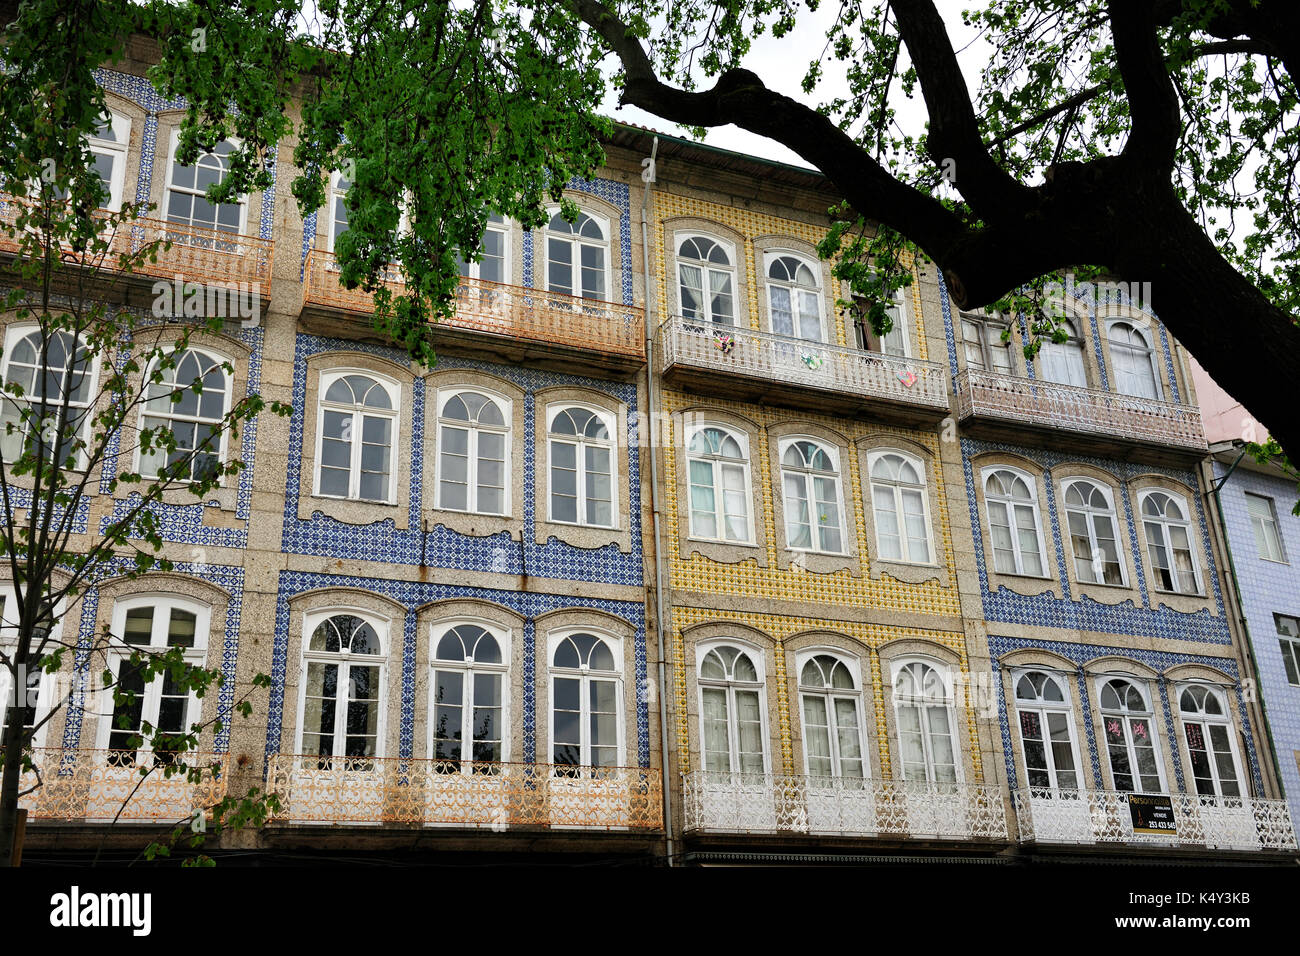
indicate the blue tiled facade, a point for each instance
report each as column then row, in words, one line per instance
column 1267, row 588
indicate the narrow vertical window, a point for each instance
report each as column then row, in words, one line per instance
column 357, row 425
column 343, row 690
column 577, row 257
column 586, row 703
column 1169, row 543
column 186, row 201
column 1208, row 731
column 55, row 373
column 1013, row 523
column 1130, row 738
column 1046, row 739
column 794, row 296
column 718, row 479
column 472, row 464
column 1288, row 630
column 1091, row 518
column 469, row 683
column 492, row 266
column 983, row 344
column 731, row 712
column 898, row 496
column 832, row 723
column 706, row 281
column 192, row 418
column 811, row 481
column 1062, row 362
column 581, row 457
column 1263, row 521
column 923, row 708
column 1134, row 361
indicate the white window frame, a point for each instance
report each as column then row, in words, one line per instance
column 707, row 318
column 119, row 653
column 20, row 330
column 468, row 669
column 606, row 245
column 1126, row 716
column 1206, row 721
column 1061, row 352
column 116, row 150
column 828, row 696
column 923, row 703
column 809, row 486
column 1193, row 540
column 1149, row 352
column 1260, row 525
column 897, row 487
column 716, row 464
column 585, row 675
column 1010, row 504
column 329, row 377
column 1089, row 513
column 496, row 223
column 506, row 407
column 1289, row 645
column 1042, row 708
column 48, row 683
column 985, row 325
column 797, row 316
column 170, row 414
column 242, row 202
column 729, row 688
column 344, row 660
column 335, row 194
column 610, row 421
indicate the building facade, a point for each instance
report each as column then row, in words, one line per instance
column 667, row 557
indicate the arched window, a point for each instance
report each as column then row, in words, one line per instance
column 1091, row 517
column 1046, row 734
column 342, row 687
column 705, row 271
column 358, row 419
column 831, row 702
column 811, row 480
column 1134, row 360
column 1169, row 543
column 794, row 295
column 473, row 467
column 468, row 724
column 1207, row 728
column 108, row 145
column 582, row 466
column 731, row 711
column 898, row 496
column 338, row 209
column 923, row 708
column 577, row 257
column 1013, row 522
column 194, row 419
column 1062, row 362
column 186, row 203
column 1130, row 737
column 586, row 705
column 719, row 485
column 154, row 624
column 55, row 371
column 495, row 248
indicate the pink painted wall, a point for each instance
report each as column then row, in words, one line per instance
column 1226, row 419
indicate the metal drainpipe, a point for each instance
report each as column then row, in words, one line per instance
column 1220, row 532
column 652, row 406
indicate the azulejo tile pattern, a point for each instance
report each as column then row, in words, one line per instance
column 414, row 594
column 443, row 547
column 231, row 579
column 1159, row 661
column 1268, row 588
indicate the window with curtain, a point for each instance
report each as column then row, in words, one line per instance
column 831, row 705
column 898, row 496
column 1046, row 738
column 357, row 424
column 923, row 710
column 343, row 667
column 1130, row 737
column 1211, row 746
column 983, row 345
column 1062, row 362
column 55, row 373
column 1013, row 522
column 811, row 482
column 586, row 703
column 577, row 257
column 1169, row 543
column 706, row 281
column 1091, row 518
column 470, row 673
column 194, row 420
column 581, row 457
column 473, row 468
column 794, row 295
column 1134, row 361
column 731, row 711
column 1263, row 521
column 719, row 485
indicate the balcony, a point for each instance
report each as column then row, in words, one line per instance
column 493, row 321
column 838, row 807
column 779, row 370
column 1091, row 817
column 107, row 786
column 215, row 259
column 996, row 406
column 499, row 796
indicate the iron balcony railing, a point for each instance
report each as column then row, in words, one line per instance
column 404, row 791
column 1087, row 817
column 836, row 806
column 692, row 345
column 103, row 786
column 1036, row 403
column 493, row 308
